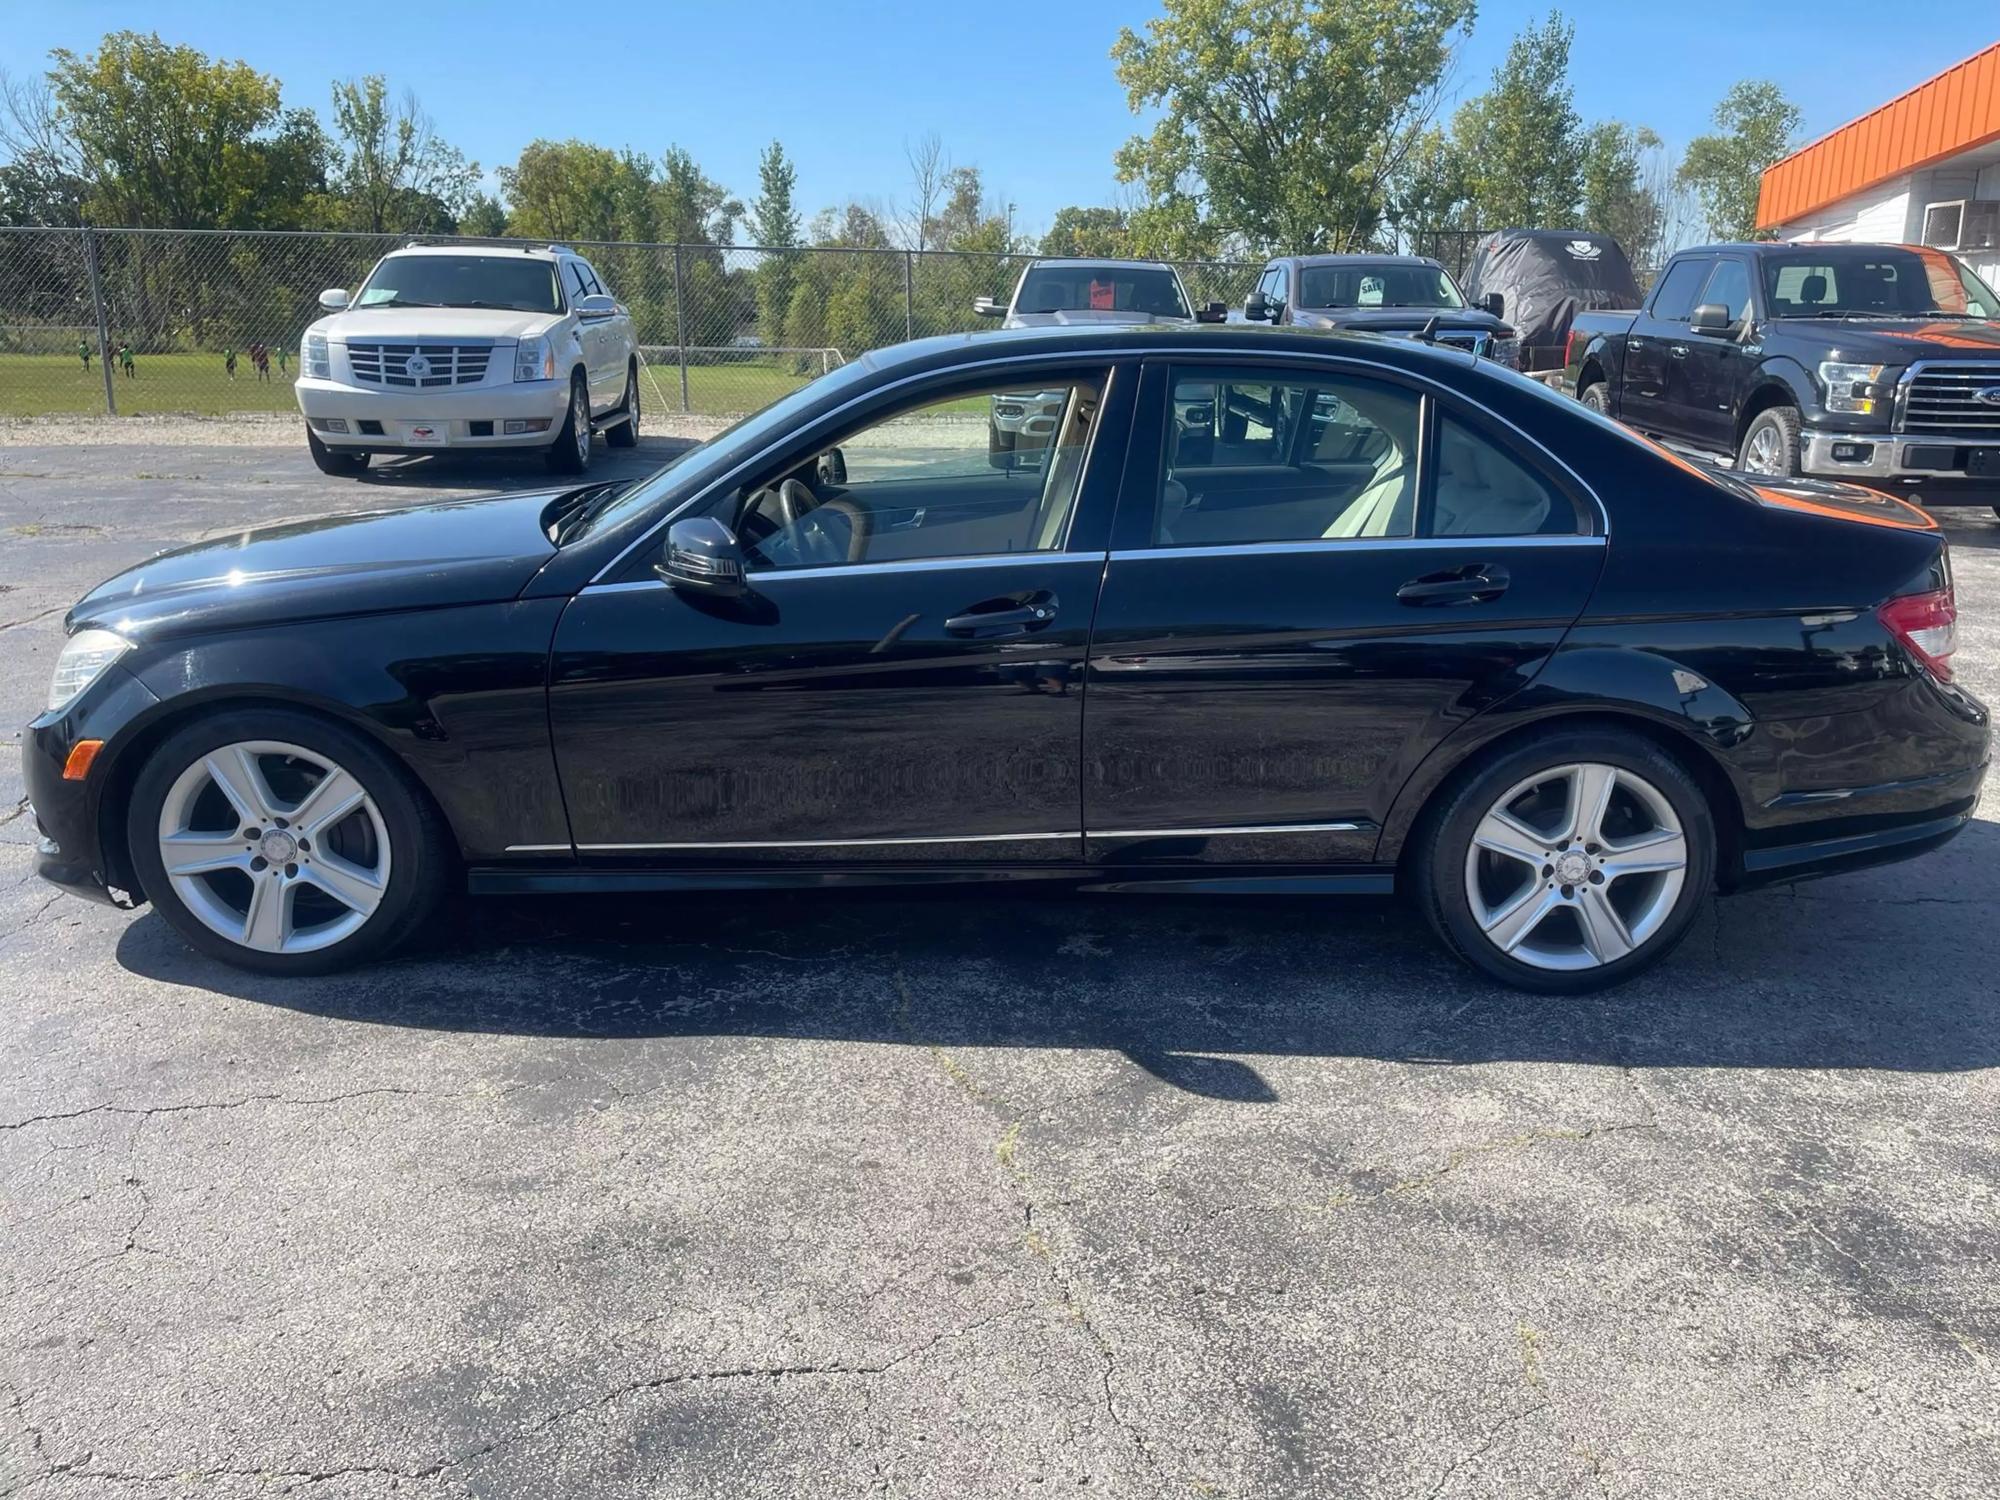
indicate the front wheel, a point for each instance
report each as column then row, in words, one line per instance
column 331, row 461
column 1771, row 444
column 283, row 843
column 570, row 452
column 625, row 434
column 1569, row 865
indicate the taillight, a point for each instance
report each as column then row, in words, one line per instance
column 1569, row 346
column 1927, row 625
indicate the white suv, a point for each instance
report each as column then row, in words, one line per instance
column 452, row 346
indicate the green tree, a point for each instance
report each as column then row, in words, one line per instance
column 485, row 216
column 694, row 209
column 392, row 172
column 1088, row 231
column 1616, row 199
column 1756, row 125
column 571, row 190
column 774, row 223
column 1520, row 143
column 1283, row 121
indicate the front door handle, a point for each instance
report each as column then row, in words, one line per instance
column 1678, row 351
column 995, row 619
column 1475, row 583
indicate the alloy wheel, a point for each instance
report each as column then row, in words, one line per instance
column 274, row 847
column 1576, row 867
column 579, row 413
column 1764, row 454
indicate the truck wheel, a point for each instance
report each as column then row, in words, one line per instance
column 1597, row 397
column 1771, row 446
column 626, row 433
column 570, row 452
column 327, row 461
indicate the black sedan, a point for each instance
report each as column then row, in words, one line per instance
column 1270, row 611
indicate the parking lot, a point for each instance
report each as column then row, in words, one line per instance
column 989, row 1194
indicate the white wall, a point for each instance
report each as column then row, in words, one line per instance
column 1882, row 213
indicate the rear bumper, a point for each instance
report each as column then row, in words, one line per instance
column 1863, row 826
column 451, row 413
column 1932, row 469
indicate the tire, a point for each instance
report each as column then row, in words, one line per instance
column 626, row 434
column 353, row 889
column 328, row 461
column 570, row 452
column 1597, row 397
column 1561, row 940
column 1771, row 444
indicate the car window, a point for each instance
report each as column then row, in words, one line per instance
column 994, row 471
column 1281, row 285
column 590, row 278
column 1154, row 291
column 462, row 281
column 1675, row 299
column 577, row 285
column 1483, row 490
column 1253, row 459
column 1730, row 287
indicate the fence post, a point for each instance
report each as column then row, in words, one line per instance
column 909, row 294
column 680, row 327
column 103, row 328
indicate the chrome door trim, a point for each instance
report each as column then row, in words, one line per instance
column 761, row 576
column 539, row 848
column 963, row 838
column 1188, row 833
column 1358, row 544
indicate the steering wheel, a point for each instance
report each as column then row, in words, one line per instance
column 794, row 500
column 836, row 532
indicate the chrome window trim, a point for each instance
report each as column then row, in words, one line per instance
column 887, row 565
column 1356, row 544
column 1107, row 357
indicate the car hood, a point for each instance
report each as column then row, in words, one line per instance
column 1893, row 341
column 442, row 323
column 1405, row 319
column 1087, row 317
column 461, row 552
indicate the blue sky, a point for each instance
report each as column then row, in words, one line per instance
column 1026, row 92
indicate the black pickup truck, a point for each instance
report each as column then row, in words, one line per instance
column 1874, row 363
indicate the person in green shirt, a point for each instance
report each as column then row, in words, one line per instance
column 83, row 353
column 125, row 360
column 229, row 362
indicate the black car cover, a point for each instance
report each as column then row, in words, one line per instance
column 1547, row 276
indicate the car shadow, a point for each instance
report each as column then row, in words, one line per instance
column 1847, row 973
column 1965, row 526
column 517, row 471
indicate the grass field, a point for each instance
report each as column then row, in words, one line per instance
column 40, row 385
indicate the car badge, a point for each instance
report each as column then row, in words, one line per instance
column 417, row 366
column 1584, row 250
column 1990, row 396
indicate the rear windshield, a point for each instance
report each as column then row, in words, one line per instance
column 518, row 283
column 1377, row 286
column 1157, row 293
column 1837, row 281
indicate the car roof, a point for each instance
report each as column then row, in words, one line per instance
column 1099, row 260
column 498, row 252
column 1774, row 247
column 1304, row 261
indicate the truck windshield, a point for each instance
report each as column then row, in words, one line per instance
column 518, row 283
column 1139, row 289
column 1385, row 285
column 1871, row 281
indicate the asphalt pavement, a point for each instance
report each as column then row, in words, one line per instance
column 975, row 1194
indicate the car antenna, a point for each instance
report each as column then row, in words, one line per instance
column 1428, row 334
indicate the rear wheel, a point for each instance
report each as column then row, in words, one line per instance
column 626, row 434
column 1771, row 444
column 283, row 843
column 1569, row 865
column 1597, row 397
column 332, row 461
column 570, row 452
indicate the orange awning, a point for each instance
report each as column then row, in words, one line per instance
column 1955, row 111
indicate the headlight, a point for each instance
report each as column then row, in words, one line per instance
column 1852, row 388
column 534, row 360
column 1505, row 352
column 84, row 657
column 319, row 366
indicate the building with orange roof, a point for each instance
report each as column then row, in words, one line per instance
column 1922, row 169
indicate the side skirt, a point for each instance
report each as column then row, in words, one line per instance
column 1348, row 880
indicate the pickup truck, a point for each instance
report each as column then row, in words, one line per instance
column 1391, row 294
column 1873, row 363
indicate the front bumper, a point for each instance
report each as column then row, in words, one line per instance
column 70, row 850
column 472, row 416
column 1932, row 467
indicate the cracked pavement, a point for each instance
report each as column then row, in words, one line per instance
column 977, row 1194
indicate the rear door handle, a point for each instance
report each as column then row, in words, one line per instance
column 1475, row 583
column 1678, row 351
column 996, row 619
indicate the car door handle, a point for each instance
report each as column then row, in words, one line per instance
column 998, row 618
column 1678, row 351
column 1475, row 583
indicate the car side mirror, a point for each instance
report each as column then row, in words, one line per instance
column 1494, row 303
column 1255, row 308
column 1712, row 318
column 986, row 307
column 703, row 557
column 597, row 305
column 1212, row 312
column 832, row 468
column 334, row 299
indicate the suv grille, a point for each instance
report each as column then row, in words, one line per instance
column 415, row 365
column 1944, row 399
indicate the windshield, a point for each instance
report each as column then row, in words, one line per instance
column 463, row 281
column 1835, row 281
column 705, row 460
column 1386, row 285
column 1138, row 289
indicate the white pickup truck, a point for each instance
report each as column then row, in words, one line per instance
column 470, row 347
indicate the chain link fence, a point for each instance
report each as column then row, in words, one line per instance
column 131, row 321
